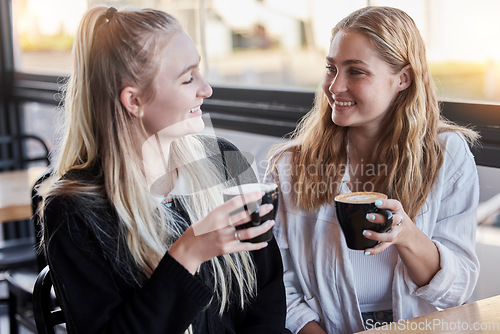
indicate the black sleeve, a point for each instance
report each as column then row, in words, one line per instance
column 236, row 167
column 95, row 301
column 267, row 312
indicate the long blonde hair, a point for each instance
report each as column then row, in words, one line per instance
column 113, row 49
column 410, row 153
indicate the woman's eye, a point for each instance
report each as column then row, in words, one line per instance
column 191, row 79
column 355, row 71
column 331, row 69
column 194, row 74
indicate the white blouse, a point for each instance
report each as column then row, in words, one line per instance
column 318, row 273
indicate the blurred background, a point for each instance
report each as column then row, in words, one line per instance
column 282, row 43
column 265, row 59
column 275, row 44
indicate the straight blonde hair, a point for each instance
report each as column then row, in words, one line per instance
column 109, row 53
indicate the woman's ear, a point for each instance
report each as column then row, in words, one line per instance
column 405, row 77
column 131, row 101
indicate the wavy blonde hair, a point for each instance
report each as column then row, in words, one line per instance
column 109, row 54
column 411, row 151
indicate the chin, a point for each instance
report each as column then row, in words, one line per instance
column 338, row 121
column 192, row 126
column 183, row 128
column 195, row 125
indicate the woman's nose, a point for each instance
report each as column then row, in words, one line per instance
column 337, row 85
column 205, row 90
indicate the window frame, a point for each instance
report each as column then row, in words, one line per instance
column 262, row 111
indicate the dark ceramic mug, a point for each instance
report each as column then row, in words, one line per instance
column 270, row 197
column 352, row 209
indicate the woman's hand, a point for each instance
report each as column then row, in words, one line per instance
column 419, row 253
column 401, row 224
column 216, row 233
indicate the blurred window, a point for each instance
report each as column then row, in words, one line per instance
column 42, row 120
column 282, row 44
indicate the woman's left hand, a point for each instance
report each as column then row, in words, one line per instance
column 401, row 224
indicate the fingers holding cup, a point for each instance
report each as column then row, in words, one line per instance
column 254, row 214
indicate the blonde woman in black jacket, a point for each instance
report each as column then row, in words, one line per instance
column 136, row 232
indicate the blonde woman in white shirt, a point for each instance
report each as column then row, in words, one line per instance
column 376, row 126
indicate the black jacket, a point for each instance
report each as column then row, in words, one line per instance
column 96, row 299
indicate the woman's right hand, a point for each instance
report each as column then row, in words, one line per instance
column 194, row 248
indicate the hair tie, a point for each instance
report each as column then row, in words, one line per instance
column 111, row 11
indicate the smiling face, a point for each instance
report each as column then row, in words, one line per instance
column 175, row 110
column 358, row 84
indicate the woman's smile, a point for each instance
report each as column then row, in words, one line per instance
column 195, row 111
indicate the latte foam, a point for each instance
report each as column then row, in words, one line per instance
column 360, row 197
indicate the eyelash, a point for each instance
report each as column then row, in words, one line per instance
column 355, row 71
column 189, row 81
column 332, row 69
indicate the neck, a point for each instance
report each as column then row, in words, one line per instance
column 361, row 146
column 361, row 155
column 155, row 154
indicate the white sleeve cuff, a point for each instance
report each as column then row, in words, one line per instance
column 441, row 290
column 299, row 316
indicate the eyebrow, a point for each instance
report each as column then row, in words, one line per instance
column 189, row 68
column 346, row 62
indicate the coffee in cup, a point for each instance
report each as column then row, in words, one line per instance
column 352, row 209
column 270, row 197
